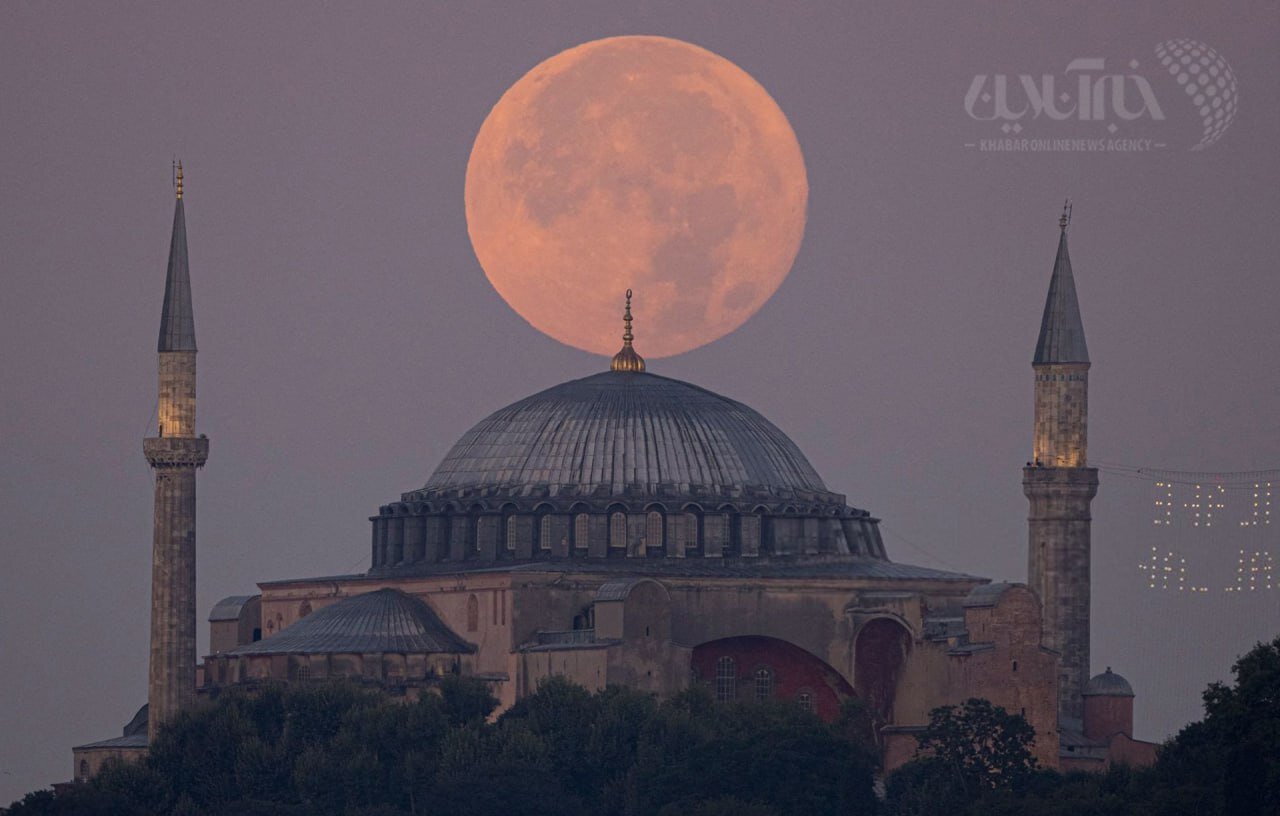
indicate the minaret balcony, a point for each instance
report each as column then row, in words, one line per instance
column 176, row 451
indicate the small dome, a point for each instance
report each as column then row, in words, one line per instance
column 1108, row 684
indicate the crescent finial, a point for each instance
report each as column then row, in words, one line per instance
column 627, row 359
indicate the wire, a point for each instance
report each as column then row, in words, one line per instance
column 919, row 549
column 1237, row 478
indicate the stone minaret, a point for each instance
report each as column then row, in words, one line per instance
column 1060, row 485
column 174, row 454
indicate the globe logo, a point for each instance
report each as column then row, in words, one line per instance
column 1208, row 81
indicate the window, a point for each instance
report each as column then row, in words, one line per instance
column 618, row 529
column 751, row 534
column 690, row 532
column 511, row 533
column 581, row 531
column 302, row 671
column 473, row 614
column 805, row 699
column 304, row 609
column 653, row 530
column 84, row 770
column 544, row 533
column 764, row 683
column 726, row 680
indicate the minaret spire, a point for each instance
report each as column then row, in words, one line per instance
column 1061, row 330
column 177, row 320
column 174, row 455
column 627, row 359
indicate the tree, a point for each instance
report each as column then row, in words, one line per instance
column 775, row 757
column 466, row 701
column 1229, row 762
column 341, row 749
column 984, row 746
column 964, row 753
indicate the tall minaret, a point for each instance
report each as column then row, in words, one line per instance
column 174, row 454
column 1060, row 485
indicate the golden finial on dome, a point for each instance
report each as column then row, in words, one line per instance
column 627, row 359
column 177, row 178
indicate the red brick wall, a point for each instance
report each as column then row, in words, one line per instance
column 1105, row 716
column 1135, row 753
column 795, row 671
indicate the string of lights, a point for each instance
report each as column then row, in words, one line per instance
column 1198, row 517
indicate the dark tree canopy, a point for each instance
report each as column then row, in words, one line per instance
column 1228, row 764
column 348, row 751
column 966, row 751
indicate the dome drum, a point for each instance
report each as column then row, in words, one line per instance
column 478, row 535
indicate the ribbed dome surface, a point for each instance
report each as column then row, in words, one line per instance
column 620, row 431
column 386, row 620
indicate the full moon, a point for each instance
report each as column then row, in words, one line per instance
column 640, row 163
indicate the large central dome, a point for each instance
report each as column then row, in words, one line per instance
column 621, row 465
column 621, row 433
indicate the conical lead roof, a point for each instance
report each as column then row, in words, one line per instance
column 177, row 320
column 1061, row 331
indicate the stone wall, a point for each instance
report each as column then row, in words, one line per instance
column 1058, row 570
column 1061, row 415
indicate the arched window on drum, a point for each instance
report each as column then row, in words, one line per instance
column 544, row 532
column 653, row 531
column 511, row 533
column 618, row 530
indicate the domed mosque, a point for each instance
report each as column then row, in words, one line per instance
column 629, row 528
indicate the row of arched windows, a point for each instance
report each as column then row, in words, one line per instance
column 617, row 533
column 654, row 531
column 763, row 688
column 763, row 684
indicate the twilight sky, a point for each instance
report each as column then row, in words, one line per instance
column 348, row 335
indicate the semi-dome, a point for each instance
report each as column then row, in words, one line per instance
column 626, row 433
column 386, row 620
